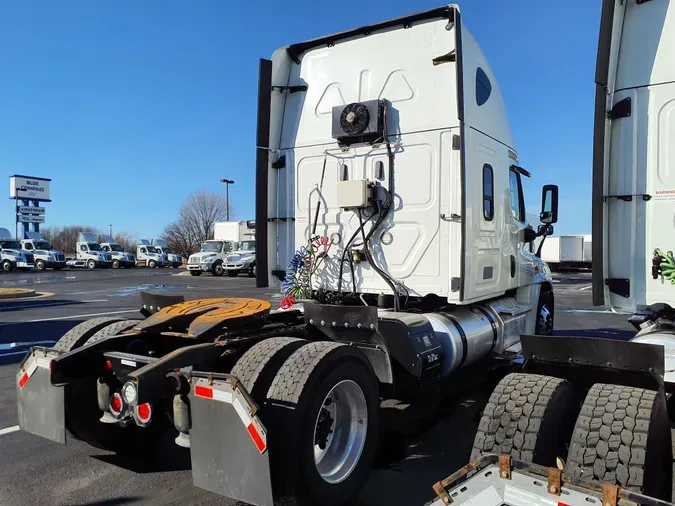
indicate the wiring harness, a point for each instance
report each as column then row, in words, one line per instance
column 306, row 260
column 663, row 264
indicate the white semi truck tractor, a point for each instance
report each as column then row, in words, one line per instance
column 588, row 421
column 172, row 259
column 12, row 256
column 390, row 213
column 120, row 258
column 46, row 257
column 89, row 253
column 147, row 255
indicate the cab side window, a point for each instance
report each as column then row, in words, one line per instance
column 143, row 250
column 83, row 247
column 28, row 246
column 517, row 201
column 488, row 193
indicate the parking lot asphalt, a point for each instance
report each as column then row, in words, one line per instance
column 36, row 471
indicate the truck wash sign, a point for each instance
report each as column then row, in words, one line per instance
column 30, row 188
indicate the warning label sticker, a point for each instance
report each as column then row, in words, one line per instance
column 664, row 195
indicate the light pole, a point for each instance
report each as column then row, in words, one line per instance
column 227, row 182
column 110, row 230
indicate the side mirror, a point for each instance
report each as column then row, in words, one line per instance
column 549, row 204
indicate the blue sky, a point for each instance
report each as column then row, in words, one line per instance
column 130, row 106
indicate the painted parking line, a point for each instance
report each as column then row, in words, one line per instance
column 586, row 287
column 9, row 430
column 51, row 304
column 70, row 317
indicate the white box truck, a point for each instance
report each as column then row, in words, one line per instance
column 234, row 231
column 45, row 256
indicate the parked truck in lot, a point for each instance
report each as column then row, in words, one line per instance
column 211, row 258
column 147, row 255
column 415, row 277
column 45, row 256
column 588, row 421
column 12, row 256
column 563, row 252
column 89, row 253
column 120, row 258
column 241, row 260
column 172, row 259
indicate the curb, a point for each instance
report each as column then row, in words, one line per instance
column 16, row 293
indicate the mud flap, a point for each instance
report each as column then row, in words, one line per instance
column 40, row 404
column 228, row 443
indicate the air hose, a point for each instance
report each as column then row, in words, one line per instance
column 664, row 265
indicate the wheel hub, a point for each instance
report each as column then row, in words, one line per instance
column 340, row 431
column 545, row 321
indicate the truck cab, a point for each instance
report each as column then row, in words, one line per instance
column 242, row 259
column 172, row 259
column 90, row 254
column 148, row 256
column 11, row 255
column 211, row 258
column 46, row 257
column 120, row 258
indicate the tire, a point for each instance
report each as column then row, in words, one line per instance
column 257, row 368
column 217, row 269
column 80, row 333
column 7, row 266
column 91, row 264
column 529, row 417
column 303, row 384
column 40, row 265
column 112, row 330
column 232, row 274
column 116, row 264
column 545, row 313
column 195, row 273
column 251, row 272
column 152, row 264
column 622, row 437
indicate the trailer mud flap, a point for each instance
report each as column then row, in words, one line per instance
column 40, row 404
column 228, row 443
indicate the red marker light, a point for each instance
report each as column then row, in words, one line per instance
column 116, row 404
column 144, row 412
column 108, row 365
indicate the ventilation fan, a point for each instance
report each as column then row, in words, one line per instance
column 359, row 123
column 354, row 119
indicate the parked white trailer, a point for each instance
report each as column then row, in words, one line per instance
column 234, row 231
column 563, row 252
column 46, row 257
column 11, row 255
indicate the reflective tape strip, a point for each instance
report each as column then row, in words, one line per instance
column 204, row 392
column 30, row 368
column 44, row 362
column 234, row 398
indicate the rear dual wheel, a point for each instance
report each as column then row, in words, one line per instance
column 321, row 449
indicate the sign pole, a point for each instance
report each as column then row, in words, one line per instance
column 16, row 212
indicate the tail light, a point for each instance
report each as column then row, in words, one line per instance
column 116, row 404
column 143, row 413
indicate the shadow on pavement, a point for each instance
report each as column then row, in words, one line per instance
column 167, row 457
column 16, row 338
column 19, row 305
column 110, row 502
column 605, row 333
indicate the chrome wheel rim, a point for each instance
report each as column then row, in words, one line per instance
column 340, row 431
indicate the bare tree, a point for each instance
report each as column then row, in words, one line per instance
column 127, row 240
column 196, row 221
column 65, row 238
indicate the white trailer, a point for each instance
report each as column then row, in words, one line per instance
column 234, row 231
column 563, row 252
